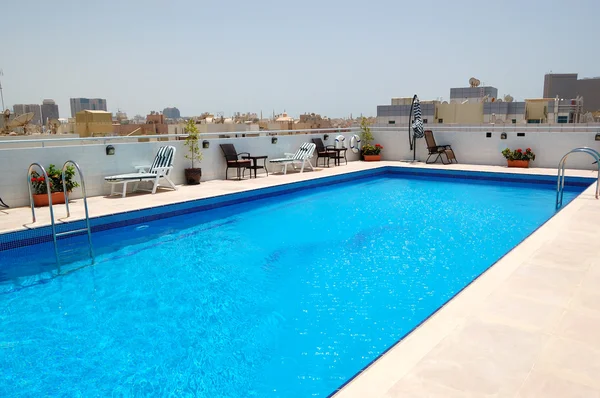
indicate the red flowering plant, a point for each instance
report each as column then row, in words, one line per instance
column 369, row 149
column 38, row 182
column 519, row 154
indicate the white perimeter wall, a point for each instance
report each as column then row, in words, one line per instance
column 470, row 148
column 95, row 164
column 475, row 148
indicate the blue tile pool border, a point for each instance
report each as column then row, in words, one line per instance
column 27, row 237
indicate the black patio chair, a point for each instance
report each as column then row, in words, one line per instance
column 232, row 158
column 439, row 150
column 323, row 151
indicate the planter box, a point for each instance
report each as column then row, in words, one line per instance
column 372, row 158
column 524, row 164
column 40, row 200
column 193, row 176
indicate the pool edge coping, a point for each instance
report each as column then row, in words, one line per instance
column 424, row 169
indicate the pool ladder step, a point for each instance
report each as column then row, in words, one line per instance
column 560, row 183
column 52, row 223
column 75, row 231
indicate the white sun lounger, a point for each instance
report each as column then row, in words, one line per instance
column 302, row 156
column 160, row 169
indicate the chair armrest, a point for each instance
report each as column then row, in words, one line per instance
column 244, row 153
column 163, row 170
column 143, row 169
column 329, row 147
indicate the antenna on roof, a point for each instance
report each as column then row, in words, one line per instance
column 473, row 82
column 1, row 95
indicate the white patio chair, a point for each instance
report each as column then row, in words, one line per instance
column 160, row 169
column 302, row 157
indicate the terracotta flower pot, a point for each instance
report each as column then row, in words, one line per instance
column 524, row 164
column 372, row 158
column 41, row 199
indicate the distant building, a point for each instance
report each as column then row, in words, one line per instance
column 154, row 124
column 307, row 121
column 206, row 126
column 138, row 119
column 249, row 117
column 93, row 123
column 568, row 86
column 280, row 122
column 87, row 104
column 172, row 113
column 313, row 121
column 120, row 117
column 21, row 109
column 398, row 112
column 155, row 118
column 481, row 105
column 49, row 110
column 472, row 94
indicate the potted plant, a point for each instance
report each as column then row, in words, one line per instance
column 40, row 189
column 193, row 174
column 365, row 135
column 518, row 158
column 371, row 153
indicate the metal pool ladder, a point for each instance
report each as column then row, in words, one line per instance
column 560, row 183
column 52, row 223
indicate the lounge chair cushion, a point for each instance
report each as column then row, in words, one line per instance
column 131, row 176
column 239, row 162
column 282, row 160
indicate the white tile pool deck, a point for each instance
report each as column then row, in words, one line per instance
column 528, row 327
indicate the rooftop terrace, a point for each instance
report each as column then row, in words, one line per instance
column 528, row 327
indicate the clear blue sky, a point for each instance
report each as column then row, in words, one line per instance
column 328, row 57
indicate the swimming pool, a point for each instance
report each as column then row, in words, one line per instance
column 288, row 295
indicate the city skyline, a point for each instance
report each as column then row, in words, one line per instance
column 89, row 104
column 321, row 57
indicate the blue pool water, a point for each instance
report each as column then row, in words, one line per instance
column 288, row 296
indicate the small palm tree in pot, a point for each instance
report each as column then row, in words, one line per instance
column 193, row 174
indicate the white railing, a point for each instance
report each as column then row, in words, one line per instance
column 117, row 138
column 243, row 134
column 488, row 127
column 104, row 140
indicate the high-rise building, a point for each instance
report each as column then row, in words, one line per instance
column 49, row 110
column 20, row 109
column 87, row 104
column 171, row 113
column 561, row 84
column 568, row 86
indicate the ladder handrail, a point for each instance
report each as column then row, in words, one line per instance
column 560, row 183
column 85, row 205
column 48, row 190
column 64, row 168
